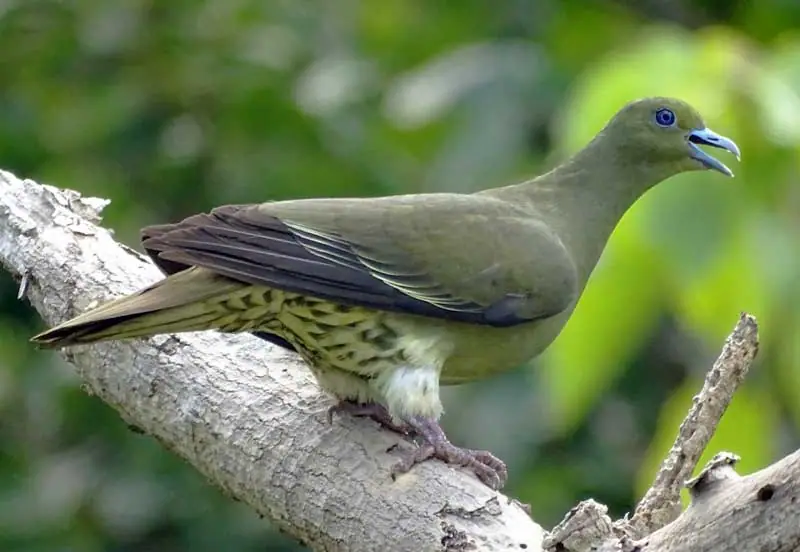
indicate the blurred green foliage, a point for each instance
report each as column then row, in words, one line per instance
column 172, row 108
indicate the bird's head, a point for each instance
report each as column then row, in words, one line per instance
column 667, row 132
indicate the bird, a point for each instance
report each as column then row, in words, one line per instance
column 387, row 299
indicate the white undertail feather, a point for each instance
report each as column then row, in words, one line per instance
column 413, row 389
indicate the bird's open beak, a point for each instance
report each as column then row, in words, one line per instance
column 708, row 137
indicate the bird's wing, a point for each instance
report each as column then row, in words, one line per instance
column 408, row 257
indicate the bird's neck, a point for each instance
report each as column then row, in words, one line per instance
column 585, row 198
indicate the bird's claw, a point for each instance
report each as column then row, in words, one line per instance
column 433, row 444
column 374, row 411
column 487, row 467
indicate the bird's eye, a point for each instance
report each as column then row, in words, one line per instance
column 665, row 117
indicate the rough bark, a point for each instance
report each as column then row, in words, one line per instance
column 727, row 511
column 250, row 418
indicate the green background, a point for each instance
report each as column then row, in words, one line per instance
column 169, row 108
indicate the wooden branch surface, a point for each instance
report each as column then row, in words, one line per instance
column 728, row 512
column 758, row 512
column 662, row 502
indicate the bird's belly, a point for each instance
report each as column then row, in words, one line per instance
column 482, row 352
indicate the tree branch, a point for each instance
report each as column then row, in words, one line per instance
column 246, row 414
column 727, row 512
column 662, row 502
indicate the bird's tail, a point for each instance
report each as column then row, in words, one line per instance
column 187, row 301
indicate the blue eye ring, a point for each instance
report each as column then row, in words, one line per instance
column 665, row 117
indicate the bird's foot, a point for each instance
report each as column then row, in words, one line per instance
column 373, row 411
column 487, row 467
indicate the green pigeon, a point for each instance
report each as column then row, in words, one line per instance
column 388, row 298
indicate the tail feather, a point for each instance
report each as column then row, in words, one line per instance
column 179, row 303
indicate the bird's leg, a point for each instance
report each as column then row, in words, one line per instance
column 374, row 411
column 487, row 467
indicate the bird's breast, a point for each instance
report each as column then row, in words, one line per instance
column 480, row 352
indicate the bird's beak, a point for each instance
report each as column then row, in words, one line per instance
column 708, row 137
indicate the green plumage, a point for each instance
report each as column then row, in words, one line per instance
column 387, row 297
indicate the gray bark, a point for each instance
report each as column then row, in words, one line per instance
column 758, row 512
column 727, row 511
column 249, row 416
